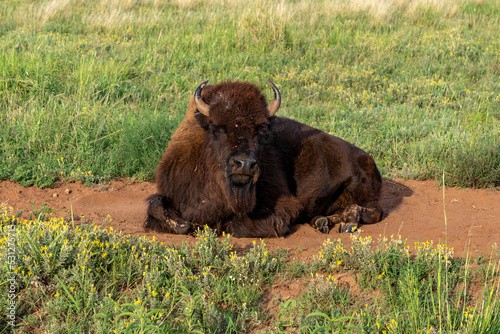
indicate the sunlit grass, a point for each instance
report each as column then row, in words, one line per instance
column 104, row 83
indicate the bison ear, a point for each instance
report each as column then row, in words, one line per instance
column 273, row 107
column 202, row 120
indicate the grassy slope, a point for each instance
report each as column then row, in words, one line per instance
column 93, row 90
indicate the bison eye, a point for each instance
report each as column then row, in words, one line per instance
column 265, row 135
column 262, row 128
column 217, row 130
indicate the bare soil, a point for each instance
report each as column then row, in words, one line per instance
column 414, row 209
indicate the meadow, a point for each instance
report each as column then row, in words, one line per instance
column 92, row 90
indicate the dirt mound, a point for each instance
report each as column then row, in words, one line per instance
column 414, row 209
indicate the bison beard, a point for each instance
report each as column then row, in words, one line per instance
column 234, row 166
column 241, row 197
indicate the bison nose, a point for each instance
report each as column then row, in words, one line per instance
column 244, row 164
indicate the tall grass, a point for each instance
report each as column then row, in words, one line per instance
column 104, row 83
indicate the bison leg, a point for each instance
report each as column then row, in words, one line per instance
column 244, row 227
column 354, row 215
column 325, row 223
column 159, row 220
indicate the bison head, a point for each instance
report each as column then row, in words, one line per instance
column 236, row 120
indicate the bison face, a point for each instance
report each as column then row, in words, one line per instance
column 236, row 121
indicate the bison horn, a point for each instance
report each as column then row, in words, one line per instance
column 198, row 100
column 275, row 105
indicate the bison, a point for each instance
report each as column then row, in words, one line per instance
column 236, row 167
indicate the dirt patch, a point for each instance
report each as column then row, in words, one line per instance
column 414, row 209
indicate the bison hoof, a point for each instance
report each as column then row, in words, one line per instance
column 322, row 225
column 179, row 228
column 347, row 228
column 183, row 228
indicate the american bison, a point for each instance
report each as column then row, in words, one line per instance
column 236, row 167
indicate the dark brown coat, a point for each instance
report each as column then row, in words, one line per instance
column 234, row 166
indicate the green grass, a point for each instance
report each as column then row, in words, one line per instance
column 91, row 280
column 93, row 90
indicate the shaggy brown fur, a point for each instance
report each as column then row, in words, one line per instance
column 238, row 170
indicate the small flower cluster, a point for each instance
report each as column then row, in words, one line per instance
column 430, row 253
column 322, row 284
column 332, row 254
